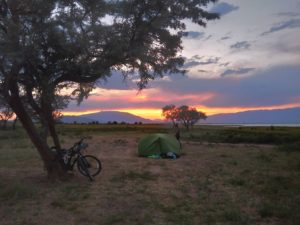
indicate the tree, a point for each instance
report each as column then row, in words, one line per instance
column 47, row 46
column 188, row 116
column 170, row 113
column 6, row 113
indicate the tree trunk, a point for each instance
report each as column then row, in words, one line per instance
column 14, row 123
column 54, row 167
column 4, row 124
column 51, row 126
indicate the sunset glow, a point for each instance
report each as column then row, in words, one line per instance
column 156, row 113
column 229, row 69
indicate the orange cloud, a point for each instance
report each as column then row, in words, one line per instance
column 158, row 99
column 151, row 94
column 80, row 113
column 217, row 110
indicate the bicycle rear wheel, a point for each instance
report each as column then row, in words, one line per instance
column 89, row 166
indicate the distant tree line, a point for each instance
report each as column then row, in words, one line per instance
column 108, row 123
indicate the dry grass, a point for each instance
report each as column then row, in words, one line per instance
column 210, row 184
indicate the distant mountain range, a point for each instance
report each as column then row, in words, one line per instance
column 277, row 116
column 105, row 117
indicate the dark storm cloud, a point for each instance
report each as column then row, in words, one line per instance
column 239, row 71
column 224, row 8
column 242, row 45
column 290, row 24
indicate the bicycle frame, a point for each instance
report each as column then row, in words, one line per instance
column 73, row 154
column 70, row 157
column 71, row 162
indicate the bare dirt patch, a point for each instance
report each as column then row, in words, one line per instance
column 210, row 184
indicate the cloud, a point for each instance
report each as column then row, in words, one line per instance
column 283, row 47
column 288, row 14
column 194, row 35
column 224, row 38
column 197, row 60
column 290, row 24
column 203, row 71
column 116, row 81
column 210, row 60
column 224, row 64
column 276, row 86
column 190, row 64
column 242, row 45
column 208, row 37
column 224, row 8
column 239, row 71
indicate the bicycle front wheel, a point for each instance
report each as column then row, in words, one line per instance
column 89, row 166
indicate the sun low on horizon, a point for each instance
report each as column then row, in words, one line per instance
column 156, row 113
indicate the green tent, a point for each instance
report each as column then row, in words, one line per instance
column 156, row 144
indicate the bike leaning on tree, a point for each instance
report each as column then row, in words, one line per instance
column 87, row 165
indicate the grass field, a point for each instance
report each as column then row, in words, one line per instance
column 227, row 175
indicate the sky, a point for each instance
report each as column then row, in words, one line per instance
column 249, row 59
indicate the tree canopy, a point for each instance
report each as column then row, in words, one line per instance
column 184, row 114
column 48, row 46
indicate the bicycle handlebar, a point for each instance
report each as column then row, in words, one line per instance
column 81, row 140
column 79, row 143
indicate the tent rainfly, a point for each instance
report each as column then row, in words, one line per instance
column 157, row 144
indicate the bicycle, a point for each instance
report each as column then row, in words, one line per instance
column 87, row 165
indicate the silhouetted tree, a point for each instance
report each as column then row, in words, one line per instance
column 170, row 113
column 6, row 113
column 47, row 46
column 188, row 116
